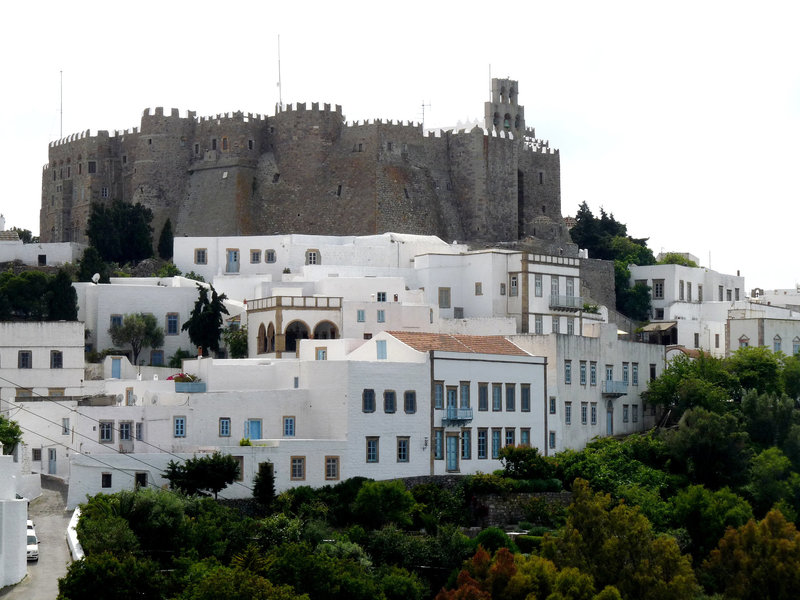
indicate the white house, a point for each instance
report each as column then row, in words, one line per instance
column 38, row 254
column 41, row 378
column 689, row 304
column 169, row 299
column 394, row 406
column 273, row 255
column 594, row 384
column 753, row 327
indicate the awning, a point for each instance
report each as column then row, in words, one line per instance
column 659, row 326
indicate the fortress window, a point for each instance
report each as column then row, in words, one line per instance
column 249, row 144
column 183, row 141
column 104, row 192
column 214, row 144
column 269, row 256
column 69, row 172
column 389, row 146
column 360, row 147
column 405, row 191
column 80, row 168
column 200, row 256
column 149, row 141
column 339, row 190
column 541, row 177
column 196, row 149
column 225, row 144
column 516, row 122
column 92, row 167
column 124, row 159
column 276, row 177
column 61, row 172
column 496, row 119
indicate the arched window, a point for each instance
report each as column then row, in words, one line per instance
column 325, row 330
column 297, row 330
column 776, row 343
column 507, row 121
column 261, row 339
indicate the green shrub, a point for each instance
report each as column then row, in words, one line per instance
column 493, row 538
column 528, row 544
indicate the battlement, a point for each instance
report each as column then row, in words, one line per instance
column 174, row 113
column 301, row 107
column 237, row 116
column 81, row 135
column 389, row 123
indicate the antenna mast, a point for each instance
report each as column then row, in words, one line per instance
column 423, row 112
column 61, row 107
column 280, row 95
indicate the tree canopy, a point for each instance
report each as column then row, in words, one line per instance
column 138, row 330
column 607, row 239
column 197, row 474
column 37, row 296
column 10, row 434
column 121, row 232
column 165, row 240
column 205, row 321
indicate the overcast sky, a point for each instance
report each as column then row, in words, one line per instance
column 682, row 118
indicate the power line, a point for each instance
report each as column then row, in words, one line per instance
column 98, row 421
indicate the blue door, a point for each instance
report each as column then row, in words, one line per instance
column 452, row 453
column 116, row 367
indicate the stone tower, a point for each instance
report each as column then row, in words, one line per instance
column 504, row 113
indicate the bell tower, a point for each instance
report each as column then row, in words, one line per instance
column 504, row 113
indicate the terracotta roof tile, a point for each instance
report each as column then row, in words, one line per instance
column 474, row 344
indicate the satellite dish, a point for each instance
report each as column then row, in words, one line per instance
column 95, row 277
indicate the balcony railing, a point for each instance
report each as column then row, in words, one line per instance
column 324, row 302
column 559, row 302
column 614, row 388
column 190, row 387
column 454, row 415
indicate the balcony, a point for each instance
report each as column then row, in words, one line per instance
column 568, row 303
column 456, row 416
column 273, row 302
column 190, row 387
column 614, row 389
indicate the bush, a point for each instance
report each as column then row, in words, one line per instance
column 487, row 483
column 493, row 538
column 539, row 510
column 176, row 360
column 382, row 502
column 524, row 462
column 528, row 544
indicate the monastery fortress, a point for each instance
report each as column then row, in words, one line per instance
column 307, row 170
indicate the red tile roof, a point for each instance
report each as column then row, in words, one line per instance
column 476, row 344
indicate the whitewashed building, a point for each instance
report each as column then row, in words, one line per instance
column 274, row 255
column 689, row 304
column 41, row 378
column 594, row 384
column 169, row 299
column 397, row 405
